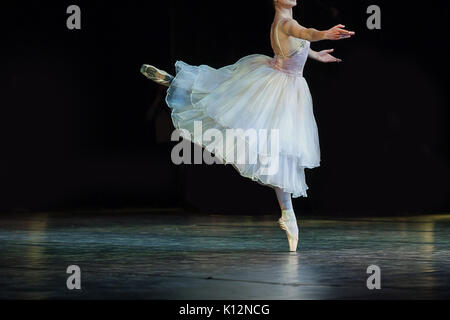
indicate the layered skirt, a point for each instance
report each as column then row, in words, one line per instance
column 249, row 99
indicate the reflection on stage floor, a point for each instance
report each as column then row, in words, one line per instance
column 167, row 255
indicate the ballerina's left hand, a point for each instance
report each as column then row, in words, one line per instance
column 326, row 57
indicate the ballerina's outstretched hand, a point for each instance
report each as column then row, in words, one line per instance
column 323, row 56
column 338, row 33
column 326, row 57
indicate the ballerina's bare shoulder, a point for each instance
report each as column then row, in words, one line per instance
column 282, row 43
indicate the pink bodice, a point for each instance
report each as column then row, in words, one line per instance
column 294, row 63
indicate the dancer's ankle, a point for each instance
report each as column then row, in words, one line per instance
column 288, row 214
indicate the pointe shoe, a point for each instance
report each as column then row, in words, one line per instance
column 289, row 224
column 157, row 75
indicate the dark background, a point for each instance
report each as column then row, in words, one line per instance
column 82, row 128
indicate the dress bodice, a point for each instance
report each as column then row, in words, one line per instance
column 294, row 62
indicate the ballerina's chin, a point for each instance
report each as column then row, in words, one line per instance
column 261, row 93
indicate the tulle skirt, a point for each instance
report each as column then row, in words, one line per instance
column 253, row 96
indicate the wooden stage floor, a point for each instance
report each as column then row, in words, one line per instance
column 164, row 255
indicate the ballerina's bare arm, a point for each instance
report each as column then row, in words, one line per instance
column 323, row 56
column 293, row 28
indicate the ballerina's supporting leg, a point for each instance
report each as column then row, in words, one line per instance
column 157, row 75
column 288, row 221
column 284, row 199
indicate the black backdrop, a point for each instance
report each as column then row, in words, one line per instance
column 81, row 127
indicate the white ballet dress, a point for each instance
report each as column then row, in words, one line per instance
column 258, row 93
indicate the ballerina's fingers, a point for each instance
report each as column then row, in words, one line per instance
column 340, row 33
column 335, row 60
column 346, row 33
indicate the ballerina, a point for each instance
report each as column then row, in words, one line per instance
column 262, row 93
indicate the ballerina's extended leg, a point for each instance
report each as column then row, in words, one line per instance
column 288, row 221
column 157, row 75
